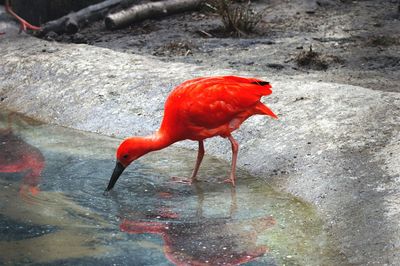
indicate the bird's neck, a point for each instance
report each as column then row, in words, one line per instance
column 157, row 141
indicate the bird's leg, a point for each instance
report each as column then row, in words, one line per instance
column 200, row 155
column 24, row 25
column 235, row 149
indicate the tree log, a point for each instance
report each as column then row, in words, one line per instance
column 150, row 10
column 72, row 22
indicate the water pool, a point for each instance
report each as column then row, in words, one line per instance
column 53, row 211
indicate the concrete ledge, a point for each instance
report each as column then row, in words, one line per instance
column 335, row 145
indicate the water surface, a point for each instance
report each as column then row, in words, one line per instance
column 53, row 211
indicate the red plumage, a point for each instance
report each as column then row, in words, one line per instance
column 198, row 109
column 212, row 106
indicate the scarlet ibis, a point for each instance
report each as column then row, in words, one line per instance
column 198, row 109
column 24, row 25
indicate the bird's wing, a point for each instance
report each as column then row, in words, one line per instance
column 212, row 102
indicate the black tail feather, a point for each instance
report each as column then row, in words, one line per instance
column 260, row 82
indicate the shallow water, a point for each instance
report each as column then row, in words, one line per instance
column 53, row 210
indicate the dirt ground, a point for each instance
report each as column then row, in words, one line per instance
column 355, row 42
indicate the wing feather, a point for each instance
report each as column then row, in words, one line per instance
column 212, row 102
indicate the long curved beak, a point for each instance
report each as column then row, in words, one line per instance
column 119, row 168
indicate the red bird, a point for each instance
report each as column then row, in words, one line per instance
column 198, row 109
column 24, row 25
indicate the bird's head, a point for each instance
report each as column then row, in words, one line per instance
column 128, row 151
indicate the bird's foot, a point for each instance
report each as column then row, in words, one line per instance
column 230, row 180
column 186, row 181
column 24, row 26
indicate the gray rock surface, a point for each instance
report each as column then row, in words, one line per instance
column 336, row 146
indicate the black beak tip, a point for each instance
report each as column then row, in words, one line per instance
column 119, row 168
column 109, row 187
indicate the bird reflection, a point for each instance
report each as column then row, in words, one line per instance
column 203, row 240
column 17, row 156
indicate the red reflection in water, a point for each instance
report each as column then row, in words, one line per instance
column 17, row 156
column 165, row 195
column 205, row 241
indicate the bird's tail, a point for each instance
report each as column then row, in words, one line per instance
column 262, row 88
column 264, row 110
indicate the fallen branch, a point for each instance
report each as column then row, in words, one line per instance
column 72, row 22
column 204, row 33
column 150, row 10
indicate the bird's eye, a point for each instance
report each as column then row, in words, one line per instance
column 125, row 156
